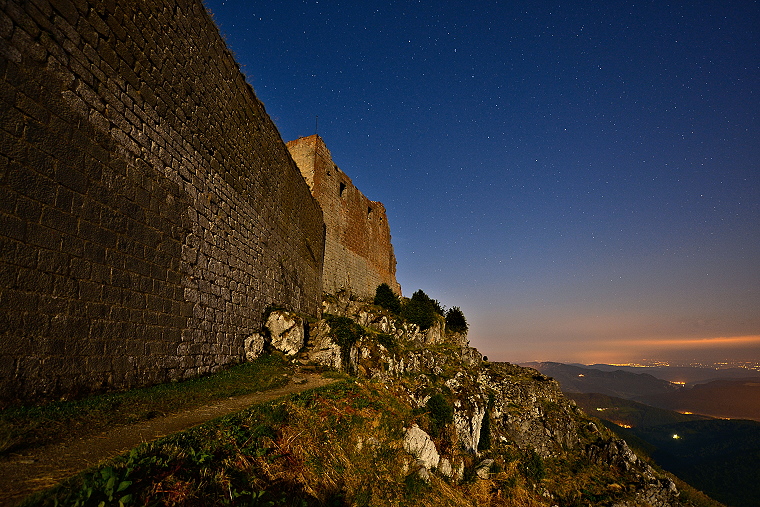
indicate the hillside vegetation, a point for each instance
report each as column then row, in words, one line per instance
column 421, row 420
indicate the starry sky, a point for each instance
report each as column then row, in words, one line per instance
column 581, row 178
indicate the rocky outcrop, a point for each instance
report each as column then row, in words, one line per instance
column 495, row 407
column 421, row 446
column 286, row 331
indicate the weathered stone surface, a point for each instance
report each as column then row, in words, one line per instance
column 286, row 332
column 483, row 469
column 445, row 468
column 254, row 346
column 322, row 350
column 468, row 418
column 421, row 446
column 149, row 208
column 358, row 251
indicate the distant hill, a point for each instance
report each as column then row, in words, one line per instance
column 720, row 457
column 628, row 413
column 621, row 384
column 686, row 374
column 725, row 398
column 735, row 399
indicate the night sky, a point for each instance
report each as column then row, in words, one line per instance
column 581, row 178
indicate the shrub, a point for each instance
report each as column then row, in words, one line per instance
column 440, row 413
column 389, row 342
column 386, row 298
column 421, row 310
column 532, row 467
column 455, row 321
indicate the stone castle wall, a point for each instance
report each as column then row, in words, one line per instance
column 149, row 210
column 358, row 251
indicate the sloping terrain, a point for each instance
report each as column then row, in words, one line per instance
column 618, row 383
column 423, row 421
column 27, row 471
column 628, row 413
column 719, row 457
column 728, row 398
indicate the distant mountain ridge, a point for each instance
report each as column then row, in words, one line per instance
column 725, row 398
column 687, row 374
column 734, row 398
column 618, row 383
column 628, row 413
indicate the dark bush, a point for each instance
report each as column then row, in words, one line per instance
column 389, row 342
column 386, row 298
column 440, row 413
column 455, row 321
column 421, row 310
column 532, row 467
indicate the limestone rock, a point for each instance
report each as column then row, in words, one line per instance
column 434, row 335
column 483, row 470
column 445, row 468
column 421, row 446
column 422, row 472
column 459, row 339
column 322, row 350
column 468, row 426
column 286, row 331
column 253, row 346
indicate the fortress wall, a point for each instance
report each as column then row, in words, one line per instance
column 149, row 210
column 358, row 251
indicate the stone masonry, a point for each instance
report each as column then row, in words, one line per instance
column 149, row 210
column 358, row 251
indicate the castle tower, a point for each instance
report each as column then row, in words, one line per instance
column 358, row 250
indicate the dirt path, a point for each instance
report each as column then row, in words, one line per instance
column 36, row 469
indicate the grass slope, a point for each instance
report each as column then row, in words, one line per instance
column 336, row 445
column 32, row 426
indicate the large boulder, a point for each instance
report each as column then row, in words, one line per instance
column 421, row 446
column 286, row 331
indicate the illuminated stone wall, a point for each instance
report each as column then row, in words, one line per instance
column 149, row 210
column 358, row 250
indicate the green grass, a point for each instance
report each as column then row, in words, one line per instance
column 300, row 450
column 32, row 426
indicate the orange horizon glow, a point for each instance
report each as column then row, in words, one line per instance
column 627, row 350
column 720, row 341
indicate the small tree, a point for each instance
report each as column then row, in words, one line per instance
column 421, row 310
column 386, row 298
column 440, row 413
column 455, row 321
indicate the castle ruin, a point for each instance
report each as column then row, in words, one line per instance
column 358, row 251
column 149, row 209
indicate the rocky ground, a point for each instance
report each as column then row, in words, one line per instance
column 423, row 420
column 497, row 408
